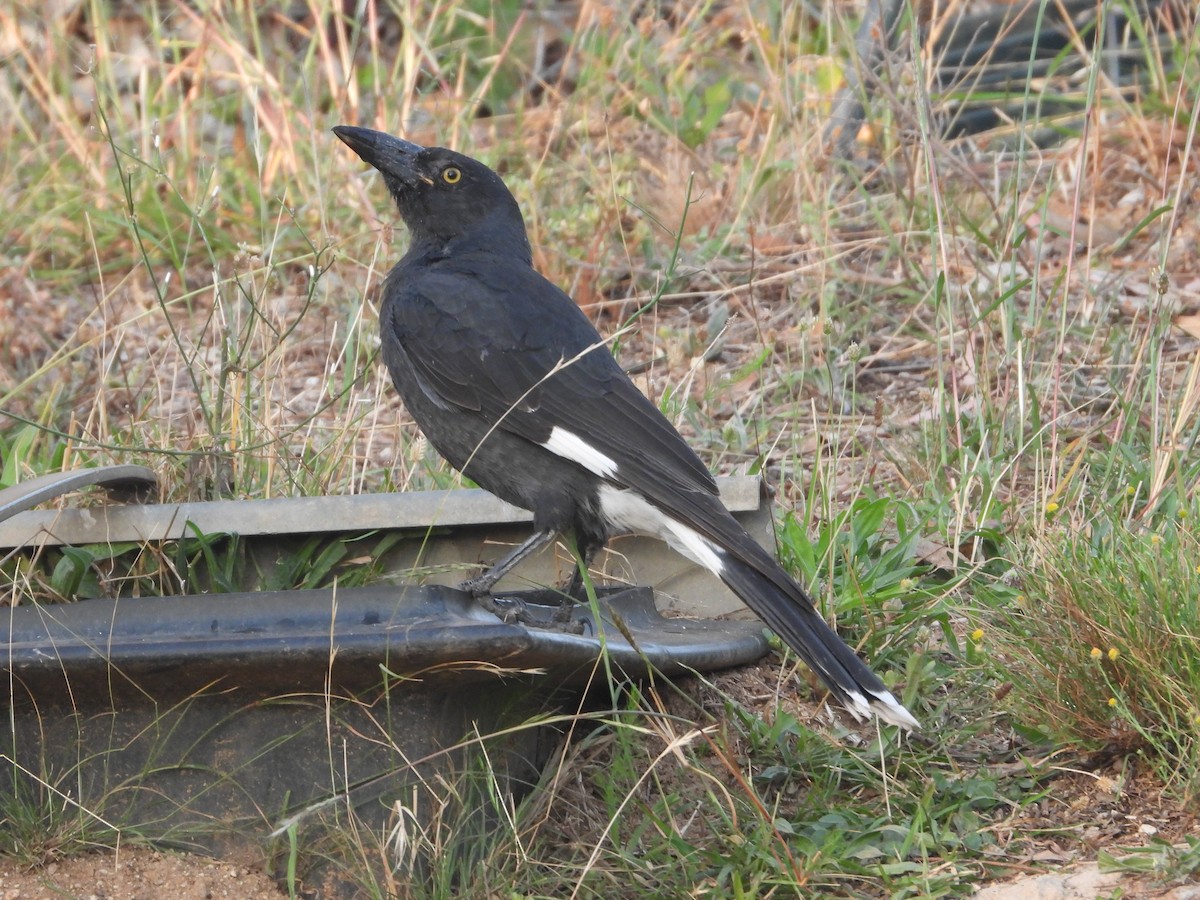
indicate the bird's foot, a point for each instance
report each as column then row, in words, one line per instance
column 480, row 587
column 562, row 621
column 513, row 610
column 562, row 615
column 510, row 610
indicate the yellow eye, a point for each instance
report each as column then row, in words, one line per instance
column 451, row 175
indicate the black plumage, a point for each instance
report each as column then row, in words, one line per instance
column 514, row 386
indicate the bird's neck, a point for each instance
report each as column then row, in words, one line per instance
column 510, row 245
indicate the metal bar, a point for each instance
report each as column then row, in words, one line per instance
column 289, row 516
column 30, row 493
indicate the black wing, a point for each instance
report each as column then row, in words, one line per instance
column 499, row 339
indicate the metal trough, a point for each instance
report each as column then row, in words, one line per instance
column 213, row 720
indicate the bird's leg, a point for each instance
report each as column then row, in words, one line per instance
column 481, row 586
column 585, row 552
column 575, row 591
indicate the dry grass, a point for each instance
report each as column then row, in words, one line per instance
column 175, row 316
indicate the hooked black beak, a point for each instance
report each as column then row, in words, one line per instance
column 390, row 155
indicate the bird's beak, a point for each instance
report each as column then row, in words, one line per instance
column 390, row 155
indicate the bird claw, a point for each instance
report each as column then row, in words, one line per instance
column 563, row 623
column 513, row 611
column 562, row 620
column 479, row 588
column 562, row 615
column 509, row 610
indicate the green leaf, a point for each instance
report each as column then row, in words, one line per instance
column 866, row 520
column 69, row 571
column 15, row 454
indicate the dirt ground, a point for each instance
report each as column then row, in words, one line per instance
column 1084, row 881
column 136, row 874
column 144, row 874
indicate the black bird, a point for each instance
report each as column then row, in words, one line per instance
column 513, row 385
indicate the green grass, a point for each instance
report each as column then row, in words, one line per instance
column 1117, row 666
column 957, row 361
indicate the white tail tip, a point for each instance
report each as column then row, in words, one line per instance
column 884, row 705
column 891, row 711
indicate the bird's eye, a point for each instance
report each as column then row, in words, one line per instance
column 451, row 175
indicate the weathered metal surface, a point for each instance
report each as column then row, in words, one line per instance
column 213, row 721
column 303, row 640
column 450, row 532
column 284, row 515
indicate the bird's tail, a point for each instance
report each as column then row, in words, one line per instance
column 784, row 606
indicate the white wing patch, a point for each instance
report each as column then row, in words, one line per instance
column 571, row 446
column 629, row 511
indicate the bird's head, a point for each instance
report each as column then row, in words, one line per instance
column 444, row 197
